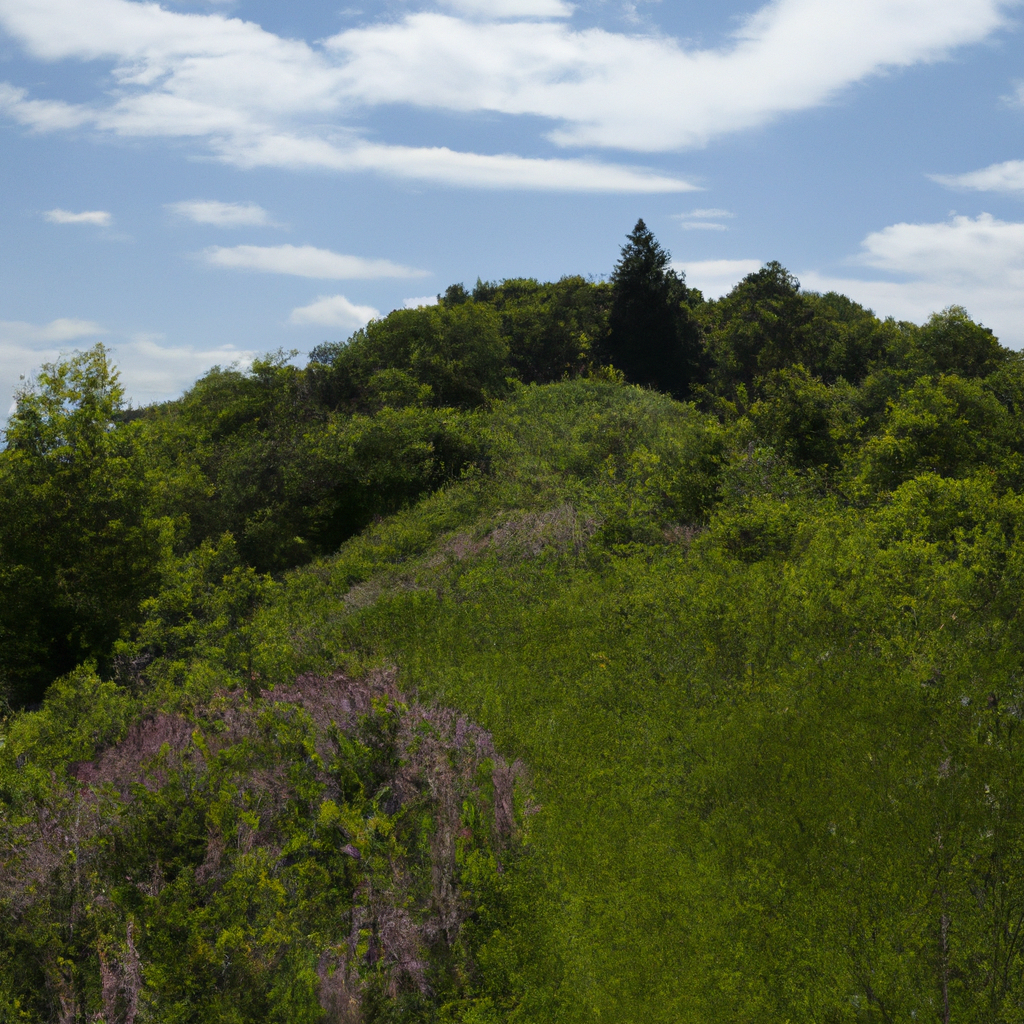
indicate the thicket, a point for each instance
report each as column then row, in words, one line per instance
column 744, row 640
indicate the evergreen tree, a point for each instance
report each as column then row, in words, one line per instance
column 652, row 337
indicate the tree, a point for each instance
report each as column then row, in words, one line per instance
column 78, row 548
column 454, row 347
column 953, row 343
column 652, row 339
column 762, row 325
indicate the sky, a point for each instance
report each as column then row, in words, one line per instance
column 198, row 182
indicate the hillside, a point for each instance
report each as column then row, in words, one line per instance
column 563, row 652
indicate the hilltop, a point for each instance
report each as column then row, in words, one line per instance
column 563, row 652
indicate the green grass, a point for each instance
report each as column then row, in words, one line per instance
column 734, row 735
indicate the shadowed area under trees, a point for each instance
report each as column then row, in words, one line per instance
column 571, row 651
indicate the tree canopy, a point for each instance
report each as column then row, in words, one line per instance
column 466, row 675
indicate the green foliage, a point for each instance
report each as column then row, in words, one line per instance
column 200, row 613
column 953, row 343
column 259, row 860
column 804, row 417
column 553, row 331
column 77, row 548
column 759, row 661
column 950, row 426
column 455, row 349
column 359, row 467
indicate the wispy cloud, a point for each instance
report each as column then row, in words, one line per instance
column 445, row 166
column 420, row 300
column 704, row 220
column 333, row 311
column 1005, row 177
column 258, row 99
column 498, row 9
column 101, row 218
column 223, row 215
column 305, row 261
column 55, row 332
column 153, row 369
column 42, row 115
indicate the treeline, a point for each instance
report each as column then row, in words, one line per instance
column 745, row 641
column 96, row 498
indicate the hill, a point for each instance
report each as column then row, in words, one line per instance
column 456, row 678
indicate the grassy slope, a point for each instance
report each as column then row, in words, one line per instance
column 733, row 736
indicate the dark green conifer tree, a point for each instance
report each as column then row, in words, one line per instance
column 652, row 338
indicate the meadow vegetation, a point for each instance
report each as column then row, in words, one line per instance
column 576, row 652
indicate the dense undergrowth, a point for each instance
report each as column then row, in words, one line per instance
column 455, row 678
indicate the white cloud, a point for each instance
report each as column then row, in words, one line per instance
column 259, row 99
column 716, row 277
column 704, row 220
column 150, row 371
column 41, row 115
column 155, row 372
column 497, row 9
column 56, row 331
column 101, row 218
column 446, row 166
column 973, row 262
column 1004, row 177
column 649, row 92
column 334, row 311
column 305, row 261
column 223, row 215
column 420, row 300
column 982, row 250
column 24, row 347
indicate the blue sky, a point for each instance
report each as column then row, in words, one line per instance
column 197, row 182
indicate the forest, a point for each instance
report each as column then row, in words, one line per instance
column 583, row 651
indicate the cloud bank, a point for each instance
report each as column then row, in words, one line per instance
column 257, row 99
column 150, row 371
column 975, row 262
column 648, row 92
